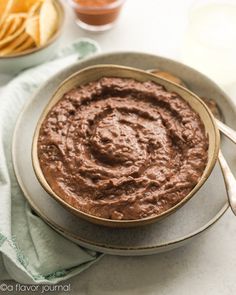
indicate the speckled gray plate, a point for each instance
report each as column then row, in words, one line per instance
column 194, row 218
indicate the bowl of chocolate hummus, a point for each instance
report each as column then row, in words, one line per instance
column 121, row 147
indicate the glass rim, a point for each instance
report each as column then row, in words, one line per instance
column 112, row 5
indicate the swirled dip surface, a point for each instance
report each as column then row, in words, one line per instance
column 122, row 149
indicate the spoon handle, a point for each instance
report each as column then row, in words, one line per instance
column 230, row 181
column 226, row 130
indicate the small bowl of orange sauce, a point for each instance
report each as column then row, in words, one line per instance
column 96, row 15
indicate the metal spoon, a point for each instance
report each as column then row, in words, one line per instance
column 229, row 179
column 226, row 130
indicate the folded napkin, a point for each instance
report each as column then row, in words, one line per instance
column 30, row 251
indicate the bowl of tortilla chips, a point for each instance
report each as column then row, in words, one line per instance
column 30, row 32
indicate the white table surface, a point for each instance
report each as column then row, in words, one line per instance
column 206, row 266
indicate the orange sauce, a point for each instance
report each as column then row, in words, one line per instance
column 96, row 12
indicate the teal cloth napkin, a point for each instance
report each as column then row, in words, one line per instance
column 30, row 251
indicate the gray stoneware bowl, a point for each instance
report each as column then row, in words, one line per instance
column 13, row 64
column 96, row 72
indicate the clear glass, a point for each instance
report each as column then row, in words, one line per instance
column 97, row 18
column 210, row 40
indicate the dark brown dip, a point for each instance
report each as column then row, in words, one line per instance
column 122, row 149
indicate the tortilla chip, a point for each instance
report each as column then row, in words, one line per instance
column 48, row 21
column 22, row 5
column 30, row 3
column 32, row 28
column 35, row 9
column 3, row 4
column 5, row 9
column 28, row 44
column 5, row 28
column 17, row 15
column 16, row 21
column 8, row 39
column 14, row 44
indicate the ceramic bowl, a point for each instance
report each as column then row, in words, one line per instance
column 13, row 64
column 96, row 72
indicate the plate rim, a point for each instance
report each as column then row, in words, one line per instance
column 57, row 227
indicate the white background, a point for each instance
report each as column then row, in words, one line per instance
column 208, row 265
